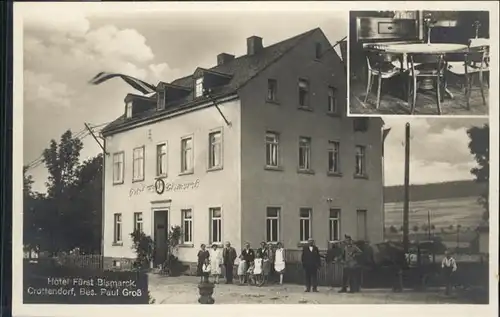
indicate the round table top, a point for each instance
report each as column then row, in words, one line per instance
column 424, row 48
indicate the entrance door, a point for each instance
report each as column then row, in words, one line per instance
column 160, row 236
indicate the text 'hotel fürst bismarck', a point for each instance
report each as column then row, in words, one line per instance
column 257, row 148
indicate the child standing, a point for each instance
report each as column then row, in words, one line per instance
column 206, row 269
column 257, row 270
column 242, row 269
column 250, row 273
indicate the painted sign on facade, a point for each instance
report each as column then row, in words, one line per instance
column 160, row 187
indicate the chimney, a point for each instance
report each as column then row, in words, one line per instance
column 223, row 58
column 254, row 45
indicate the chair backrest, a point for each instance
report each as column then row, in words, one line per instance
column 478, row 56
column 376, row 58
column 431, row 61
column 478, row 42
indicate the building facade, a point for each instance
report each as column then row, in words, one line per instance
column 258, row 148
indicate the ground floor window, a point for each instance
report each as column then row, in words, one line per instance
column 362, row 230
column 187, row 226
column 305, row 224
column 215, row 225
column 138, row 221
column 334, row 225
column 272, row 224
column 117, row 235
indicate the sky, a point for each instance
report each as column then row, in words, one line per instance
column 61, row 54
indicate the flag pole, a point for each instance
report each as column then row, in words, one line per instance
column 95, row 138
column 406, row 207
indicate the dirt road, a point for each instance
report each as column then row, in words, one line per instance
column 184, row 290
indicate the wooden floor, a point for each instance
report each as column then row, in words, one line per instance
column 426, row 102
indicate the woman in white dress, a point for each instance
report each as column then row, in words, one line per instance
column 279, row 261
column 216, row 263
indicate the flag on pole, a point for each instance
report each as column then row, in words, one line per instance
column 343, row 50
column 385, row 133
column 137, row 84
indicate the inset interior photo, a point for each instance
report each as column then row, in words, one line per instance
column 419, row 62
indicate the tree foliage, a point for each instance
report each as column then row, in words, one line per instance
column 68, row 216
column 479, row 146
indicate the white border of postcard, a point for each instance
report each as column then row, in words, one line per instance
column 20, row 309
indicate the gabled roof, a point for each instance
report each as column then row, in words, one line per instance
column 241, row 70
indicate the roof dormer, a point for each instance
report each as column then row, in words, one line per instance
column 204, row 80
column 168, row 93
column 135, row 104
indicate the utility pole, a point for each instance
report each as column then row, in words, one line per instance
column 429, row 223
column 406, row 207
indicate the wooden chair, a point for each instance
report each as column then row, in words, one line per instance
column 379, row 65
column 476, row 61
column 425, row 67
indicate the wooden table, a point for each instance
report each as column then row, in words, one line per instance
column 424, row 48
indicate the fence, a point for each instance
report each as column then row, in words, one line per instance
column 472, row 271
column 329, row 274
column 90, row 261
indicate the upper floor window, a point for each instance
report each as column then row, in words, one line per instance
column 360, row 160
column 161, row 159
column 272, row 149
column 319, row 51
column 303, row 93
column 334, row 157
column 304, row 153
column 332, row 100
column 198, row 87
column 138, row 164
column 215, row 149
column 272, row 89
column 187, row 155
column 128, row 109
column 118, row 167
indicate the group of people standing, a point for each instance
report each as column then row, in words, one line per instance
column 257, row 266
column 254, row 266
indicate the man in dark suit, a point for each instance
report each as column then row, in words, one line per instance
column 228, row 257
column 248, row 256
column 311, row 261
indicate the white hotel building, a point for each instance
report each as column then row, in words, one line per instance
column 287, row 165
